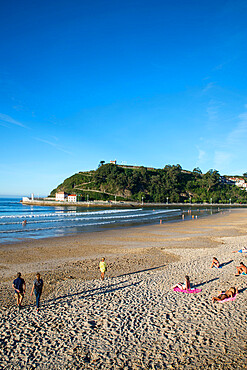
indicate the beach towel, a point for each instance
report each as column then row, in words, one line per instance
column 228, row 299
column 220, row 267
column 192, row 290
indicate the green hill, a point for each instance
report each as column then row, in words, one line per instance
column 110, row 182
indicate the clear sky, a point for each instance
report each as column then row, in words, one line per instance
column 144, row 82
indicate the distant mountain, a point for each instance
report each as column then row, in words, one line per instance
column 172, row 184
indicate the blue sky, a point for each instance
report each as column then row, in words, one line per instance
column 144, row 82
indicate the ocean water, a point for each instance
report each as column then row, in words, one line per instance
column 44, row 222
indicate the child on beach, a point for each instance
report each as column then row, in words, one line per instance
column 230, row 293
column 103, row 268
column 185, row 285
column 215, row 263
column 20, row 287
column 37, row 288
column 242, row 269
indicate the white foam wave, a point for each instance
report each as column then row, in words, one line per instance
column 85, row 214
column 67, row 213
column 99, row 221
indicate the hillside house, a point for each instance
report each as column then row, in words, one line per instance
column 240, row 182
column 72, row 198
column 61, row 196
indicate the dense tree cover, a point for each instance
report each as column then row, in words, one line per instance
column 171, row 184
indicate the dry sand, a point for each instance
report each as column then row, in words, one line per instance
column 132, row 320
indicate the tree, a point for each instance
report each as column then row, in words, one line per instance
column 197, row 172
column 101, row 163
column 211, row 180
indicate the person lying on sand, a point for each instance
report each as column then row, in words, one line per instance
column 185, row 285
column 215, row 263
column 243, row 250
column 230, row 293
column 242, row 269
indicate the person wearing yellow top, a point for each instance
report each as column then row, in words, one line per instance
column 102, row 267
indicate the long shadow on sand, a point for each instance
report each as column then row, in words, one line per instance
column 242, row 290
column 103, row 289
column 205, row 282
column 92, row 292
column 136, row 272
column 225, row 263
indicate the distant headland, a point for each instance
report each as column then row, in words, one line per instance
column 113, row 184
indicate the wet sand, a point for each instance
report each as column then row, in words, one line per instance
column 133, row 319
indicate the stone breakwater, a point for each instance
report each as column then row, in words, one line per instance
column 135, row 321
column 124, row 204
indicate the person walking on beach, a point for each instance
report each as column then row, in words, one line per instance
column 103, row 268
column 37, row 288
column 241, row 270
column 19, row 286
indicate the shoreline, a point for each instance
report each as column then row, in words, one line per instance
column 185, row 214
column 133, row 319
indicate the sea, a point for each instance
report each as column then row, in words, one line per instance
column 55, row 221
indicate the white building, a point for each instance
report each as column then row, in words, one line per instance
column 240, row 182
column 72, row 198
column 61, row 196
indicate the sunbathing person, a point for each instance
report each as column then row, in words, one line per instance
column 215, row 263
column 242, row 269
column 243, row 250
column 230, row 293
column 185, row 285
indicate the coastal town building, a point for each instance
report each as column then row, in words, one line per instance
column 237, row 181
column 113, row 162
column 61, row 196
column 72, row 198
column 225, row 180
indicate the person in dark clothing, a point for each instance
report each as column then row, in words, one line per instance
column 20, row 287
column 37, row 288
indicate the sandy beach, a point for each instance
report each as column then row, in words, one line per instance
column 133, row 319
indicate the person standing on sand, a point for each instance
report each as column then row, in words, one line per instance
column 20, row 287
column 103, row 268
column 37, row 288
